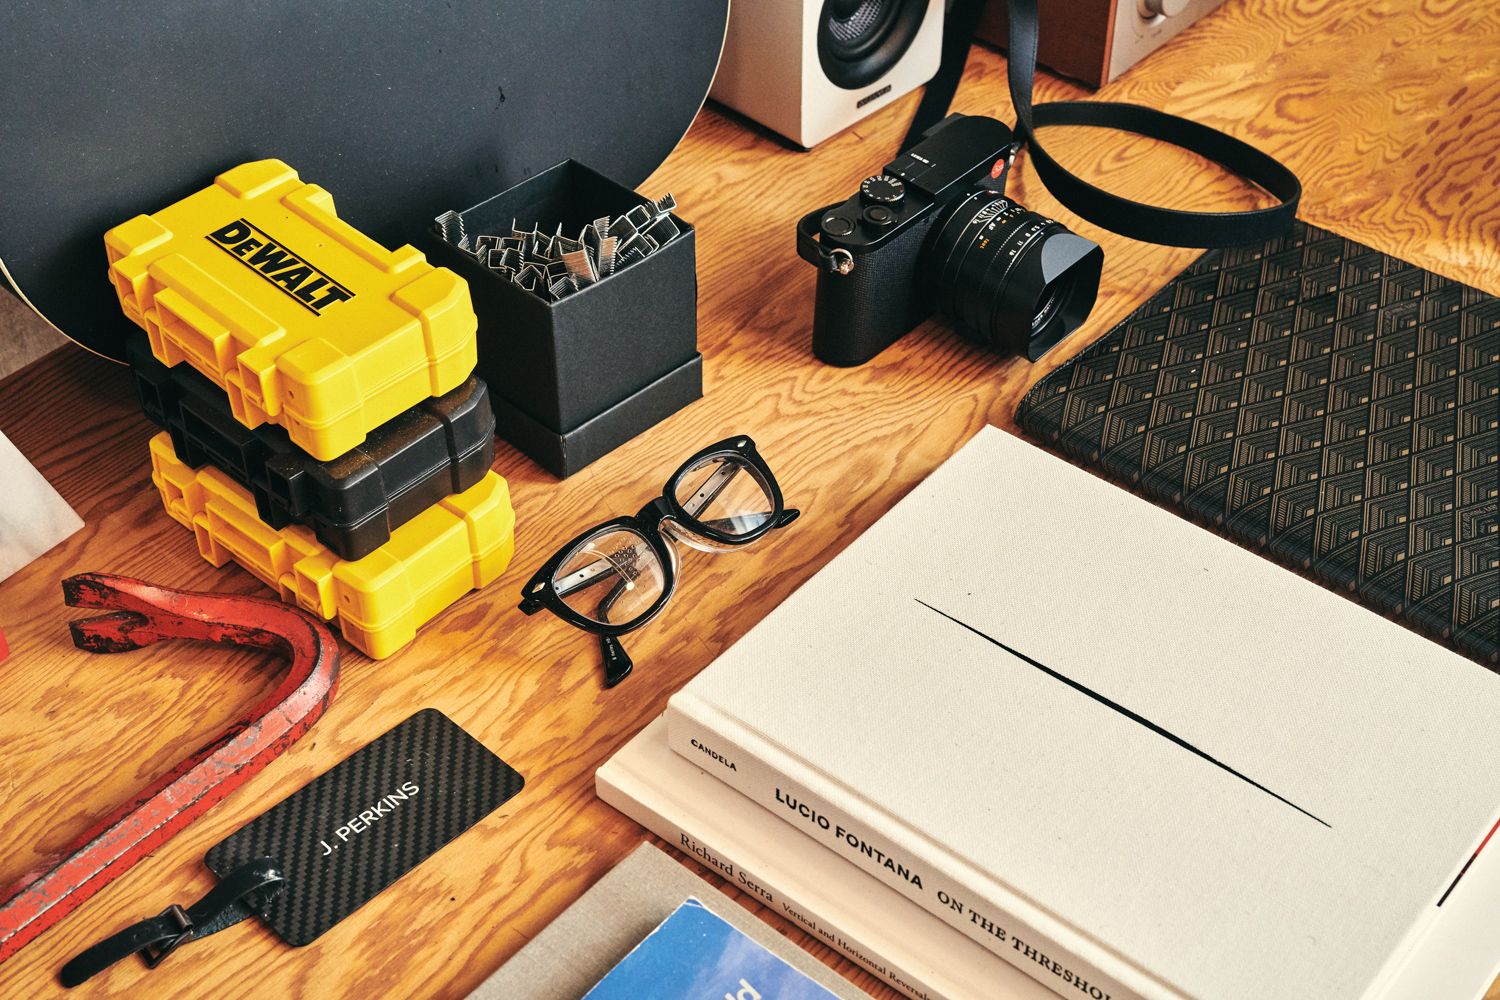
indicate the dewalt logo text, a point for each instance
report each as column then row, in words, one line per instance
column 299, row 280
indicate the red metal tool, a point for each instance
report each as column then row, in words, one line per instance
column 147, row 614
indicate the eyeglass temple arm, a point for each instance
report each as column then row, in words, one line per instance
column 617, row 662
column 607, row 602
column 586, row 576
column 574, row 582
column 711, row 488
column 715, row 485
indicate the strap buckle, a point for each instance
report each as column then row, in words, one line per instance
column 240, row 895
column 155, row 951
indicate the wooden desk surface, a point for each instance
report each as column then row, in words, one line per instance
column 1388, row 110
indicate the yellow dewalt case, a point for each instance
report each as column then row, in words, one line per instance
column 460, row 544
column 303, row 320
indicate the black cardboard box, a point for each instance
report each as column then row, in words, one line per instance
column 572, row 380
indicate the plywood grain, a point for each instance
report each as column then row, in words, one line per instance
column 1388, row 110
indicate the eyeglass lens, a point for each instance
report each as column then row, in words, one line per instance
column 611, row 577
column 727, row 494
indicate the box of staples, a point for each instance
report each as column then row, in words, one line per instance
column 301, row 319
column 441, row 446
column 380, row 601
column 572, row 378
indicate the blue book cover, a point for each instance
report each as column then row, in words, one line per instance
column 696, row 955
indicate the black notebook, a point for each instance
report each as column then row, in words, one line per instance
column 1319, row 399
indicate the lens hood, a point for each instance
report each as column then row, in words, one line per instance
column 1050, row 292
column 1007, row 276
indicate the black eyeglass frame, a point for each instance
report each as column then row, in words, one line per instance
column 540, row 591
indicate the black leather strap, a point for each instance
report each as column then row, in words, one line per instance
column 238, row 896
column 959, row 24
column 1148, row 223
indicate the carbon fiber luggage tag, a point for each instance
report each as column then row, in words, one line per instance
column 351, row 832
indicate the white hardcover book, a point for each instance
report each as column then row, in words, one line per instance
column 806, row 883
column 1126, row 755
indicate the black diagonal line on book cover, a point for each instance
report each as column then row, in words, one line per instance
column 1158, row 730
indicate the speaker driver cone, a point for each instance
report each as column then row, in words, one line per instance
column 859, row 41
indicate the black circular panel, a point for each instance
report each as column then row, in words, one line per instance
column 859, row 42
column 401, row 110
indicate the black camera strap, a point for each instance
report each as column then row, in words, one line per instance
column 1138, row 221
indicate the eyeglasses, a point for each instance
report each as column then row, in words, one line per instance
column 616, row 577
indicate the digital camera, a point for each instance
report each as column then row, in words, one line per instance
column 934, row 232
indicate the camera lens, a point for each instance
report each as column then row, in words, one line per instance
column 1007, row 276
column 1052, row 300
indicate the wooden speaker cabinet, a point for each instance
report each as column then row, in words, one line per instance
column 1097, row 40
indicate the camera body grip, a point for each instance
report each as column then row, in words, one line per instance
column 859, row 314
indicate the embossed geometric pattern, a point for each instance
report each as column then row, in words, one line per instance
column 1314, row 397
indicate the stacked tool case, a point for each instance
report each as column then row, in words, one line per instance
column 442, row 445
column 322, row 425
column 301, row 319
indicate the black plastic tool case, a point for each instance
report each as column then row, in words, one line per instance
column 442, row 446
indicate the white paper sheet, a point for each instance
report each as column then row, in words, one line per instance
column 33, row 518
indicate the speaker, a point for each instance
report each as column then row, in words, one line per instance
column 810, row 68
column 1097, row 40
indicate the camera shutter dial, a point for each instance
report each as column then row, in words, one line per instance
column 882, row 189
